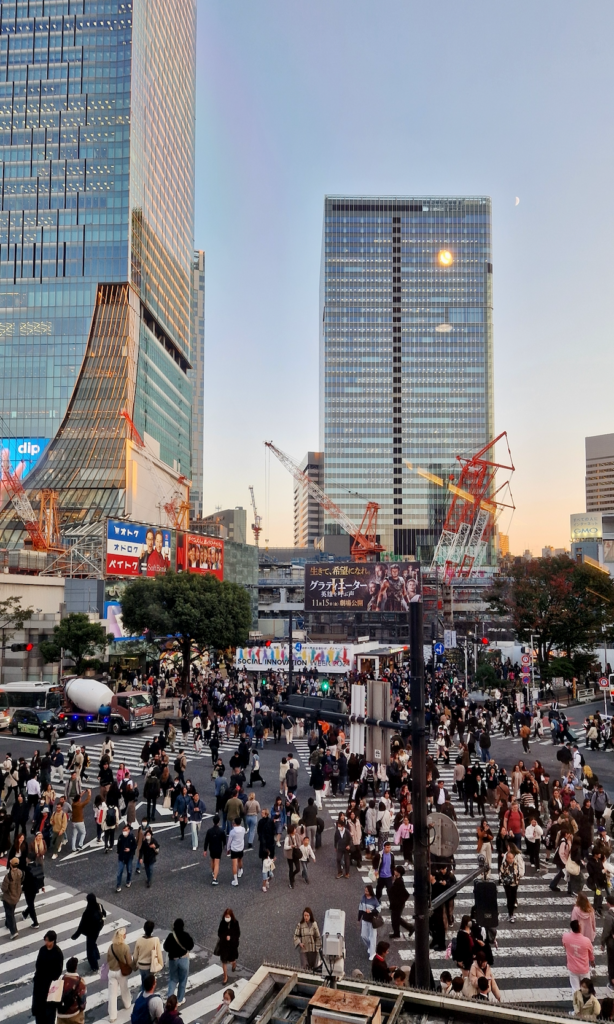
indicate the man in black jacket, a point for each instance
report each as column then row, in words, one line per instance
column 343, row 845
column 398, row 896
column 215, row 842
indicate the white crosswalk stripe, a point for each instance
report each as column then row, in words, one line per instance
column 17, row 960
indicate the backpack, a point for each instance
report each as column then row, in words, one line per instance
column 453, row 946
column 140, row 1013
column 177, row 764
column 111, row 821
column 291, row 778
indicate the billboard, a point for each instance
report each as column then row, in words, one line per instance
column 137, row 550
column 200, row 554
column 585, row 526
column 362, row 586
column 24, row 453
column 323, row 657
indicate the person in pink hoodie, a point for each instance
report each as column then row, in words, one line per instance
column 584, row 914
column 580, row 955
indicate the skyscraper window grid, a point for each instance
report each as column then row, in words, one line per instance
column 89, row 197
column 405, row 355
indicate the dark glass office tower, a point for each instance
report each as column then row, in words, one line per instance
column 406, row 347
column 97, row 103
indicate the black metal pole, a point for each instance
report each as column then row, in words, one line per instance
column 289, row 653
column 418, row 764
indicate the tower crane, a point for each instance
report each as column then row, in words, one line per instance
column 257, row 523
column 43, row 532
column 365, row 544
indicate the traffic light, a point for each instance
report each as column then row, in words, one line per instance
column 22, row 647
column 325, row 686
column 484, row 641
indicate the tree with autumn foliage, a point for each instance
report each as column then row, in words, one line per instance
column 566, row 606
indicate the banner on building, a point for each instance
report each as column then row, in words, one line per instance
column 200, row 554
column 24, row 453
column 134, row 549
column 362, row 586
column 323, row 657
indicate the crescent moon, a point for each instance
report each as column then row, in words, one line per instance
column 516, row 201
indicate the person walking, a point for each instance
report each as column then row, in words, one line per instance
column 607, row 939
column 126, row 848
column 585, row 1002
column 151, row 792
column 108, row 825
column 342, row 842
column 150, row 848
column 255, row 775
column 215, row 840
column 178, row 944
column 49, row 965
column 59, row 827
column 398, row 896
column 235, row 848
column 307, row 855
column 307, row 940
column 119, row 962
column 78, row 806
column 147, row 956
column 71, row 1009
column 309, row 821
column 33, row 883
column 509, row 877
column 227, row 948
column 196, row 813
column 90, row 925
column 580, row 955
column 12, row 884
column 368, row 909
column 252, row 813
column 292, row 854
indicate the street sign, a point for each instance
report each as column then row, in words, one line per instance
column 444, row 838
column 298, row 647
column 439, row 649
column 449, row 639
column 604, row 683
column 525, row 659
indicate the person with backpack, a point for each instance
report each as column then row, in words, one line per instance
column 108, row 824
column 90, row 925
column 180, row 810
column 151, row 792
column 148, row 1006
column 71, row 1009
column 119, row 962
column 291, row 779
column 255, row 775
column 180, row 765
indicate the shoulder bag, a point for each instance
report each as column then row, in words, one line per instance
column 156, row 966
column 124, row 968
column 56, row 991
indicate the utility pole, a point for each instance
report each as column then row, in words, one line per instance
column 289, row 653
column 422, row 886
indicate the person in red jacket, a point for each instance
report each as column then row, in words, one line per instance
column 514, row 822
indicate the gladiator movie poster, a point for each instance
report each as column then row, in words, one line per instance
column 362, row 586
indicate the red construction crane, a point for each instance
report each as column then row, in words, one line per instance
column 21, row 503
column 365, row 545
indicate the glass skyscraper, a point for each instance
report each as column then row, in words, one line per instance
column 406, row 356
column 97, row 105
column 197, row 375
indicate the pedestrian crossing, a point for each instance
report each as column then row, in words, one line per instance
column 529, row 963
column 61, row 907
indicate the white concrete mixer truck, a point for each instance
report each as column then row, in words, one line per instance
column 90, row 704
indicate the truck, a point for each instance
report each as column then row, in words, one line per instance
column 91, row 704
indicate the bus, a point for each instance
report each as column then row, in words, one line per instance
column 28, row 694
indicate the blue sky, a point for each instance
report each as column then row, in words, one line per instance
column 299, row 99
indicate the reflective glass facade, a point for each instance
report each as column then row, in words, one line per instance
column 406, row 345
column 97, row 104
column 197, row 375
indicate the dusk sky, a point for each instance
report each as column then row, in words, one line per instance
column 296, row 100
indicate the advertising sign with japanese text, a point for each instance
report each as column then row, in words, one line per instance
column 200, row 554
column 137, row 550
column 362, row 586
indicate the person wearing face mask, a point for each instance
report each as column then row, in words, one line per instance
column 149, row 851
column 227, row 947
column 126, row 848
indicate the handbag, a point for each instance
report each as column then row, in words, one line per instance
column 156, row 966
column 572, row 868
column 56, row 991
column 124, row 968
column 217, row 948
column 296, row 854
column 377, row 921
column 167, row 801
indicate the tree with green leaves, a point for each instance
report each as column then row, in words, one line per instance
column 12, row 618
column 566, row 606
column 196, row 612
column 77, row 638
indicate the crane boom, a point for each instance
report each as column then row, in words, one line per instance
column 21, row 503
column 365, row 542
column 257, row 523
